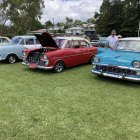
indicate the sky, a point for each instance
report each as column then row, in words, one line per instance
column 76, row 9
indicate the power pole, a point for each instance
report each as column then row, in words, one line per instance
column 53, row 25
column 139, row 29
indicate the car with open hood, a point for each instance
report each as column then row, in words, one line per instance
column 121, row 63
column 13, row 51
column 58, row 53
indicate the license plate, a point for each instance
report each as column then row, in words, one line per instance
column 112, row 75
column 32, row 66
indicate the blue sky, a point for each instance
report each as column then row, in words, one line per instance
column 76, row 9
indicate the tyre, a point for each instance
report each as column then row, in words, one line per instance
column 91, row 59
column 59, row 67
column 11, row 58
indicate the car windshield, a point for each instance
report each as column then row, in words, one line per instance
column 103, row 38
column 128, row 45
column 16, row 40
column 61, row 42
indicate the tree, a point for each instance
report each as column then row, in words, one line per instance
column 123, row 16
column 78, row 22
column 91, row 20
column 69, row 21
column 3, row 15
column 22, row 14
column 48, row 24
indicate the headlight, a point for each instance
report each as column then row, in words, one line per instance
column 96, row 59
column 138, row 73
column 24, row 54
column 45, row 57
column 94, row 66
column 136, row 64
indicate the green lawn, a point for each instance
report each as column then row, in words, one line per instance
column 72, row 105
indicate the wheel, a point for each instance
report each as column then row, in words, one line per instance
column 59, row 67
column 91, row 59
column 11, row 58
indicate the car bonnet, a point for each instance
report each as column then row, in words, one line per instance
column 46, row 40
column 120, row 58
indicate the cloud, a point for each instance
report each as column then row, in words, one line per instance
column 76, row 9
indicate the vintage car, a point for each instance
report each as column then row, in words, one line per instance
column 100, row 42
column 4, row 40
column 121, row 63
column 13, row 51
column 58, row 53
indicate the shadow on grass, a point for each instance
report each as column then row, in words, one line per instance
column 117, row 81
column 51, row 72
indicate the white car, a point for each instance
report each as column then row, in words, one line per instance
column 4, row 40
column 28, row 42
column 13, row 51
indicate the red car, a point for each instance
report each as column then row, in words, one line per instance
column 58, row 53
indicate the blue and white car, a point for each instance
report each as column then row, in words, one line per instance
column 121, row 63
column 13, row 51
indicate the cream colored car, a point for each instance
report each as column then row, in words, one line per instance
column 4, row 40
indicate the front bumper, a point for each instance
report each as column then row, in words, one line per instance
column 117, row 75
column 1, row 59
column 38, row 67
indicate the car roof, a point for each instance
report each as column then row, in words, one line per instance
column 3, row 37
column 131, row 38
column 71, row 38
column 24, row 36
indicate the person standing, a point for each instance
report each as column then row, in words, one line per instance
column 112, row 40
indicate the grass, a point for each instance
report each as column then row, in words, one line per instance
column 72, row 105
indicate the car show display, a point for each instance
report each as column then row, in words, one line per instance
column 58, row 53
column 121, row 63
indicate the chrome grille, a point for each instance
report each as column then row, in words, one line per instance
column 115, row 70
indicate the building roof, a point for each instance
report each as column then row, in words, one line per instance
column 75, row 28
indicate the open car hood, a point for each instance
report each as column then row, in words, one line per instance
column 46, row 40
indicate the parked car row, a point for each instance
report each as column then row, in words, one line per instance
column 42, row 51
column 58, row 53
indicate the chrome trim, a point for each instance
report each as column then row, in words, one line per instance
column 123, row 77
column 39, row 67
column 123, row 67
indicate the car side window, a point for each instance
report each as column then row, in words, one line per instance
column 84, row 44
column 29, row 41
column 21, row 42
column 69, row 44
column 37, row 42
column 75, row 44
column 4, row 40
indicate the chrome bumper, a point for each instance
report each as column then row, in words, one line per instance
column 39, row 67
column 115, row 76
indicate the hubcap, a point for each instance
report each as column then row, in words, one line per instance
column 59, row 67
column 12, row 59
column 92, row 59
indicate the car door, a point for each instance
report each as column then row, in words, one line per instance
column 72, row 52
column 86, row 51
column 19, row 48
